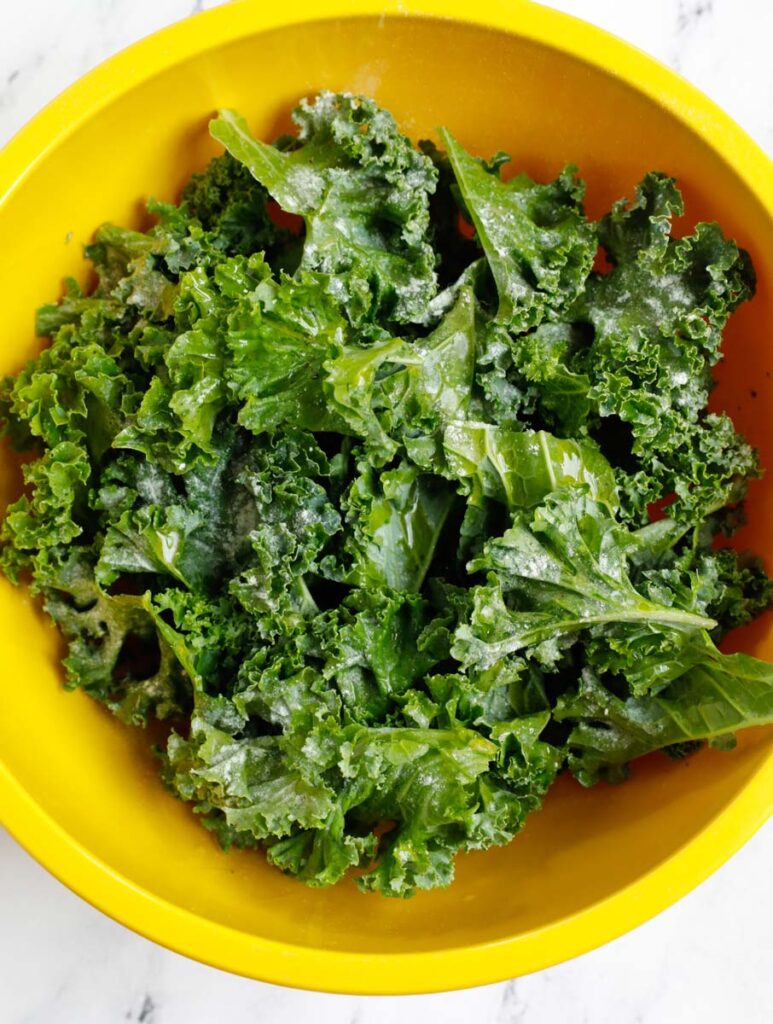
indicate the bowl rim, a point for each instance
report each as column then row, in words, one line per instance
column 334, row 970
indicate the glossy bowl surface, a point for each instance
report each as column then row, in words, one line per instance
column 79, row 789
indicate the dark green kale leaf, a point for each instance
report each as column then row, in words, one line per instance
column 658, row 317
column 719, row 695
column 286, row 513
column 186, row 528
column 350, row 380
column 223, row 212
column 187, row 387
column 396, row 519
column 550, row 386
column 211, row 637
column 279, row 337
column 388, row 641
column 114, row 651
column 232, row 208
column 740, row 588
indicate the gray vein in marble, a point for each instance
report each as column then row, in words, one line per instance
column 146, row 1013
column 690, row 16
column 15, row 78
column 511, row 1010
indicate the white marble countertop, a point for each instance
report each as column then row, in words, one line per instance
column 708, row 959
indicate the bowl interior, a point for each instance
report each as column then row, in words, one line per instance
column 95, row 778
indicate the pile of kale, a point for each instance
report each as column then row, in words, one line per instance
column 362, row 500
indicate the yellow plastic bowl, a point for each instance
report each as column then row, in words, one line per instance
column 79, row 789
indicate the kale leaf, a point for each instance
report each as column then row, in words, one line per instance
column 363, row 191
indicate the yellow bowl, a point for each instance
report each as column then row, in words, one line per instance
column 79, row 789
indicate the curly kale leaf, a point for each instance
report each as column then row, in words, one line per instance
column 395, row 392
column 520, row 467
column 396, row 520
column 536, row 239
column 114, row 651
column 721, row 694
column 232, row 208
column 363, row 191
column 560, row 572
column 658, row 317
column 185, row 528
column 37, row 529
column 283, row 500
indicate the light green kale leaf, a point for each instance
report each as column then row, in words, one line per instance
column 560, row 572
column 363, row 191
column 536, row 239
